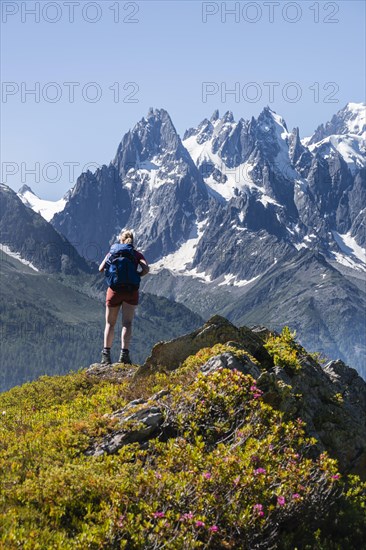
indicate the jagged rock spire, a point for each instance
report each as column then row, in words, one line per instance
column 215, row 116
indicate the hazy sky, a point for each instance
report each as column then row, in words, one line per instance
column 97, row 67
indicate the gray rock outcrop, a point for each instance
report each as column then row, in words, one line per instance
column 138, row 421
column 216, row 330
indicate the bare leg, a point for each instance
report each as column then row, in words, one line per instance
column 128, row 312
column 111, row 315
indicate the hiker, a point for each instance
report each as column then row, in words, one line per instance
column 125, row 292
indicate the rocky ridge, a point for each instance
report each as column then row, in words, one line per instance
column 329, row 400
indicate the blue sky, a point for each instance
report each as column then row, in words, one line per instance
column 163, row 52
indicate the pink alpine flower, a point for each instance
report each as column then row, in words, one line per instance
column 258, row 508
column 256, row 392
column 188, row 515
column 336, row 476
column 120, row 521
column 199, row 523
column 281, row 500
column 213, row 528
column 158, row 514
column 295, row 496
column 259, row 471
column 207, row 475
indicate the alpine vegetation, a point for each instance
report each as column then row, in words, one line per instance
column 225, row 438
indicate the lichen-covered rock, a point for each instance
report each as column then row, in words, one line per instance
column 332, row 403
column 278, row 391
column 230, row 361
column 138, row 421
column 216, row 330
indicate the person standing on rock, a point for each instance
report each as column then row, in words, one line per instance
column 123, row 266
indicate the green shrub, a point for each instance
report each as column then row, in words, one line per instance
column 285, row 350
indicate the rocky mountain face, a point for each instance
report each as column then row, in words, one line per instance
column 97, row 208
column 152, row 185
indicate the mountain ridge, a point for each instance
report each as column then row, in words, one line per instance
column 269, row 173
column 28, row 234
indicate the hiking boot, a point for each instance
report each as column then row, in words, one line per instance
column 125, row 358
column 106, row 358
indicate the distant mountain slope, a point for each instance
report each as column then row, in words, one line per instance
column 327, row 310
column 43, row 318
column 349, row 120
column 29, row 236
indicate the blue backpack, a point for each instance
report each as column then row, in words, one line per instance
column 120, row 268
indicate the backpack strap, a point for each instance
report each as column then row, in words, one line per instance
column 125, row 254
column 118, row 249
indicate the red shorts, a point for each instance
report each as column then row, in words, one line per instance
column 114, row 298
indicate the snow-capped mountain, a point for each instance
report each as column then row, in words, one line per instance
column 339, row 185
column 311, row 199
column 201, row 205
column 47, row 209
column 349, row 120
column 345, row 134
column 152, row 185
